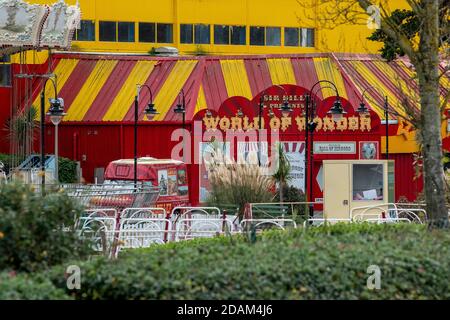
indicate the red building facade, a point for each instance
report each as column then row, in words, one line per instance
column 98, row 91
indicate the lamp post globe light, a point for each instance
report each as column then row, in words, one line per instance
column 337, row 112
column 148, row 111
column 362, row 109
column 56, row 113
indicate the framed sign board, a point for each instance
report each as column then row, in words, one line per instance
column 369, row 150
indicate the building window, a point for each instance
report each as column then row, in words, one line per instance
column 126, row 31
column 6, row 58
column 307, row 37
column 221, row 34
column 367, row 182
column 268, row 36
column 229, row 35
column 164, row 33
column 291, row 37
column 108, row 31
column 202, row 34
column 86, row 31
column 238, row 36
column 5, row 75
column 147, row 32
column 257, row 36
column 273, row 36
column 186, row 33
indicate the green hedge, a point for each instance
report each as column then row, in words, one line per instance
column 322, row 263
column 25, row 287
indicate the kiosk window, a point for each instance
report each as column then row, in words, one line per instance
column 367, row 182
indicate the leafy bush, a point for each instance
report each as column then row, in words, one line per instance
column 31, row 229
column 320, row 263
column 67, row 170
column 292, row 194
column 24, row 287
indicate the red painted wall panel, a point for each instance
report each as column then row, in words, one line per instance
column 407, row 185
column 5, row 110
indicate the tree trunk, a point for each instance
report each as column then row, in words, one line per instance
column 281, row 190
column 428, row 73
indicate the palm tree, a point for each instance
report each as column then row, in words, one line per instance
column 284, row 170
column 21, row 131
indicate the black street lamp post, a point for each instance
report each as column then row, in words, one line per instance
column 149, row 111
column 55, row 104
column 364, row 110
column 336, row 111
column 181, row 108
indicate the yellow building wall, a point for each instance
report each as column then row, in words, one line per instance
column 276, row 13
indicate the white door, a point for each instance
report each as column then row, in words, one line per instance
column 336, row 192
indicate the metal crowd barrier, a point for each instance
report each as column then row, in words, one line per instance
column 114, row 230
column 113, row 196
column 380, row 213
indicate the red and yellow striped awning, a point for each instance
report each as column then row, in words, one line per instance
column 101, row 88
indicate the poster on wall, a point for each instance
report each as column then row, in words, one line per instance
column 368, row 150
column 248, row 152
column 172, row 182
column 182, row 183
column 162, row 182
column 207, row 151
column 295, row 153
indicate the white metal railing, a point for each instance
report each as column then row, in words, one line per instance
column 203, row 212
column 413, row 215
column 98, row 213
column 379, row 213
column 149, row 213
column 389, row 211
column 187, row 229
column 144, row 227
column 142, row 232
column 101, row 230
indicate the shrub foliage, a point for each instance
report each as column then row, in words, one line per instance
column 322, row 263
column 37, row 232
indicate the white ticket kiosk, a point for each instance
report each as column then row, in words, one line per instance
column 350, row 184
